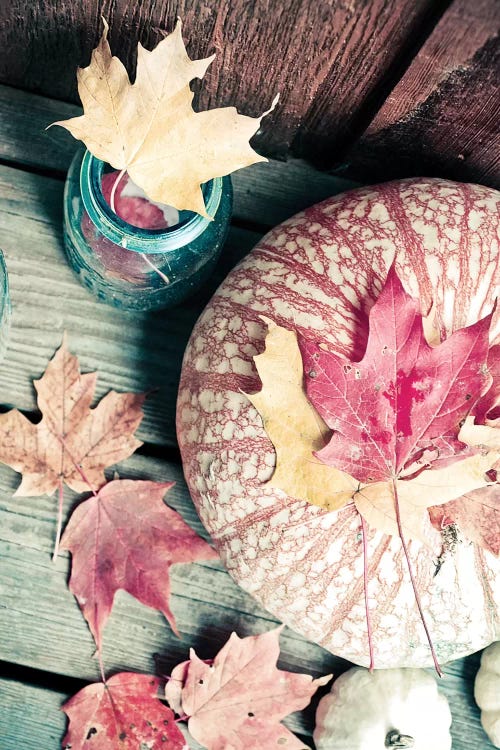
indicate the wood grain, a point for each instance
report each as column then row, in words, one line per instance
column 30, row 717
column 442, row 117
column 326, row 59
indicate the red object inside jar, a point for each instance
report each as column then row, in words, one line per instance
column 137, row 211
column 134, row 210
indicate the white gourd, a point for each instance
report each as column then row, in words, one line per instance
column 387, row 708
column 487, row 692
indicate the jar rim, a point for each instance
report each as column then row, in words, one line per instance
column 137, row 239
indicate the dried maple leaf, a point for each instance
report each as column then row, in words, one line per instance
column 125, row 537
column 237, row 701
column 487, row 409
column 398, row 411
column 377, row 502
column 72, row 443
column 150, row 129
column 476, row 513
column 294, row 426
column 403, row 396
column 124, row 712
column 480, row 434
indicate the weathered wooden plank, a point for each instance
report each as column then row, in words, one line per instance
column 263, row 193
column 442, row 118
column 42, row 626
column 132, row 351
column 30, row 717
column 141, row 638
column 325, row 58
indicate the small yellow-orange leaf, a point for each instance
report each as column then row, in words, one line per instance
column 294, row 427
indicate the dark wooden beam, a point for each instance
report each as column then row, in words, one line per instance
column 443, row 116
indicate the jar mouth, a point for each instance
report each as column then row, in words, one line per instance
column 137, row 239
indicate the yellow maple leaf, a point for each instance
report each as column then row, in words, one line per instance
column 294, row 426
column 150, row 129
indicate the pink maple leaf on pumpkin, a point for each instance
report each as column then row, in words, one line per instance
column 403, row 397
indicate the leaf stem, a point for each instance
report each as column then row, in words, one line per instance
column 162, row 276
column 412, row 578
column 113, row 190
column 150, row 263
column 184, row 717
column 60, row 493
column 76, row 465
column 101, row 665
column 365, row 587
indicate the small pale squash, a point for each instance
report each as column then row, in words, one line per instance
column 487, row 692
column 389, row 708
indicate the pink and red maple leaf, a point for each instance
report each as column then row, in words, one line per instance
column 404, row 397
column 237, row 701
column 125, row 537
column 124, row 713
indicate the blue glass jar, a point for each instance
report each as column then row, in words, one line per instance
column 134, row 268
column 5, row 307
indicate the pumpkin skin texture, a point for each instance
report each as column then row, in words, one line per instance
column 365, row 708
column 319, row 273
column 487, row 692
